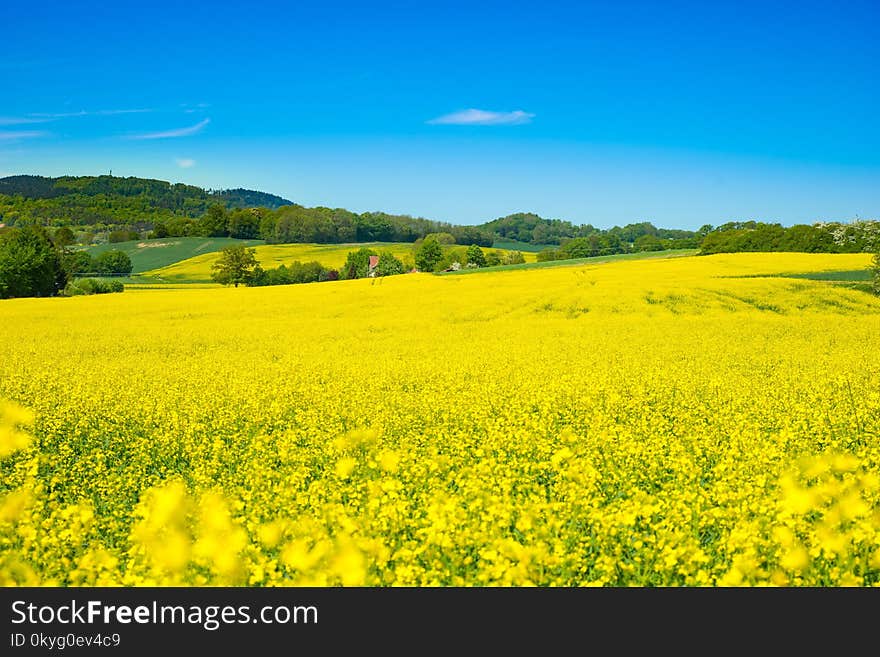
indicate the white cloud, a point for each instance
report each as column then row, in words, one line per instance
column 43, row 117
column 190, row 108
column 19, row 120
column 48, row 116
column 177, row 132
column 122, row 111
column 185, row 162
column 21, row 134
column 483, row 117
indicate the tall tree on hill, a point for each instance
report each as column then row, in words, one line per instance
column 428, row 254
column 475, row 256
column 213, row 222
column 236, row 264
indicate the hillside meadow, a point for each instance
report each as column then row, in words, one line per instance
column 146, row 255
column 198, row 268
column 689, row 421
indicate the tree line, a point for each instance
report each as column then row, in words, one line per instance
column 238, row 265
column 862, row 236
column 107, row 203
column 134, row 208
column 33, row 264
column 531, row 228
column 319, row 225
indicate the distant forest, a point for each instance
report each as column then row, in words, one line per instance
column 115, row 209
column 110, row 201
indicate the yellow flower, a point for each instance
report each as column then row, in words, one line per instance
column 389, row 460
column 345, row 466
column 795, row 558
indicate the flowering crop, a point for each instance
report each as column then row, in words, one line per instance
column 694, row 421
column 198, row 268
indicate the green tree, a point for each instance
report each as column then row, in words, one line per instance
column 442, row 238
column 123, row 235
column 77, row 262
column 454, row 257
column 357, row 263
column 475, row 256
column 545, row 255
column 513, row 258
column 213, row 222
column 30, row 264
column 581, row 247
column 704, row 230
column 389, row 265
column 875, row 273
column 79, row 286
column 236, row 264
column 428, row 254
column 244, row 224
column 113, row 262
column 647, row 243
column 472, row 235
column 63, row 237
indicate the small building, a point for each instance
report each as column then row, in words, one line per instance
column 374, row 262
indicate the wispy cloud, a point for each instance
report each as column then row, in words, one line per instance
column 185, row 162
column 48, row 116
column 483, row 117
column 112, row 112
column 20, row 120
column 6, row 135
column 177, row 132
column 189, row 108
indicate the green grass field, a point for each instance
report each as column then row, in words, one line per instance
column 853, row 275
column 153, row 254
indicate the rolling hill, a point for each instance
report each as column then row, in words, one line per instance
column 112, row 200
column 156, row 253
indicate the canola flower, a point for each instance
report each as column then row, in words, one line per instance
column 682, row 422
column 198, row 268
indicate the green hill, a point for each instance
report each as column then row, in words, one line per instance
column 153, row 254
column 115, row 201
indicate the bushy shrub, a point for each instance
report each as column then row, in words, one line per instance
column 80, row 286
column 295, row 273
column 113, row 262
column 389, row 265
column 549, row 254
column 126, row 235
column 30, row 264
column 513, row 258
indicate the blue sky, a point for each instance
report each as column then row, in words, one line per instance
column 679, row 113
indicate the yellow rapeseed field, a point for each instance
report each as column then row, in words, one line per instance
column 198, row 268
column 691, row 421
